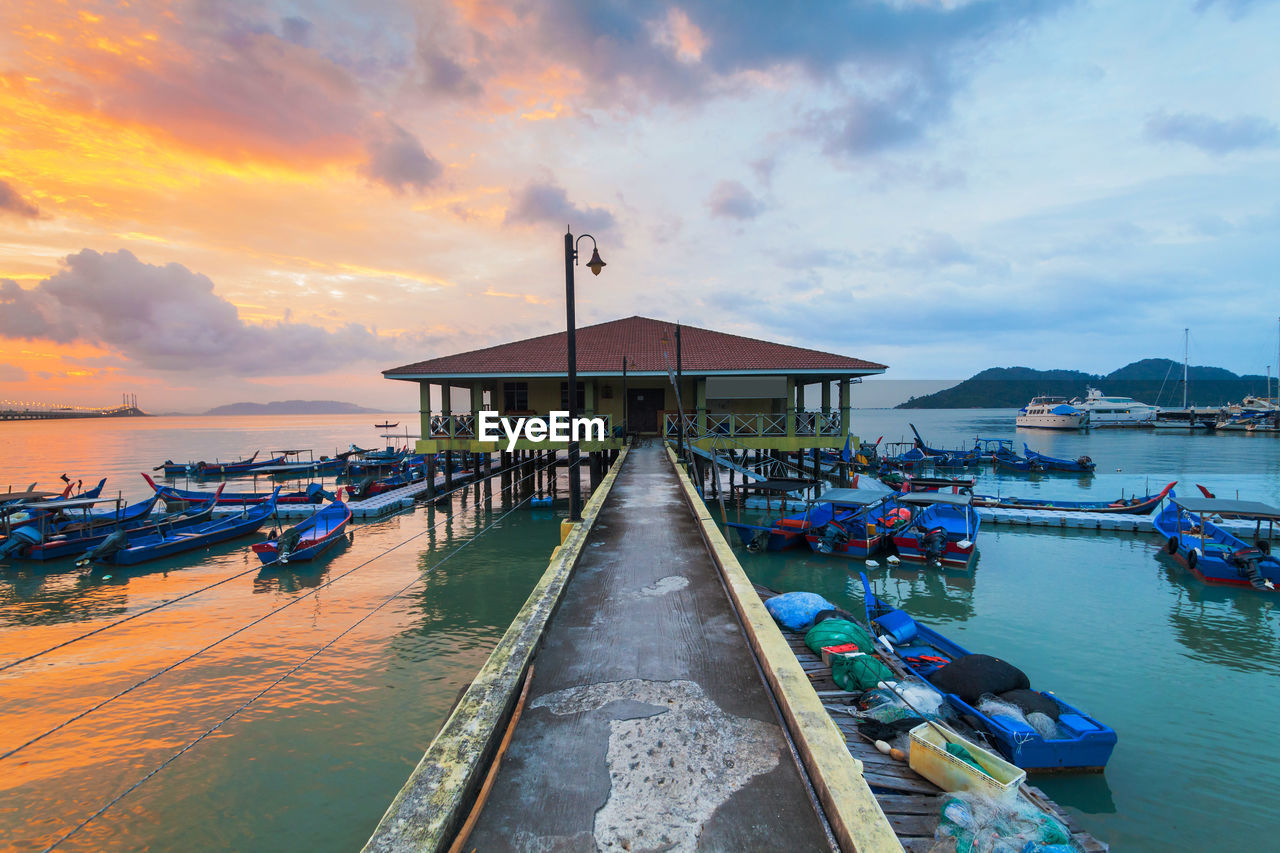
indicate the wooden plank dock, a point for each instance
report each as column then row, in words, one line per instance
column 910, row 802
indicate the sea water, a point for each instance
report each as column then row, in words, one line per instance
column 1185, row 672
column 312, row 764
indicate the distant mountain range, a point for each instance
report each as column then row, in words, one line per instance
column 1152, row 380
column 294, row 407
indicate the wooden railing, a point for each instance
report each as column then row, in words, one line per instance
column 755, row 425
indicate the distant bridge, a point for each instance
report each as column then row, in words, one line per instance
column 14, row 411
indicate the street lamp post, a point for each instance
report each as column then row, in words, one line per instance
column 595, row 265
column 624, row 399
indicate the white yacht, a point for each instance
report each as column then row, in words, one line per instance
column 1051, row 413
column 1104, row 411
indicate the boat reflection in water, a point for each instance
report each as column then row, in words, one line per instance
column 1221, row 625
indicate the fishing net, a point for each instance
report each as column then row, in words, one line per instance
column 922, row 698
column 837, row 632
column 973, row 675
column 998, row 707
column 982, row 824
column 858, row 672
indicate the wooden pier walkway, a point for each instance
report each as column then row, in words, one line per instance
column 647, row 724
column 641, row 700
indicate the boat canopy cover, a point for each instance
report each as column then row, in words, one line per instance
column 853, row 497
column 69, row 503
column 1235, row 509
column 1064, row 410
column 936, row 498
column 778, row 485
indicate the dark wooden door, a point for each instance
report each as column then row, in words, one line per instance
column 643, row 405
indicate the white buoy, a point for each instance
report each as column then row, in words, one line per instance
column 964, row 544
column 893, row 560
column 872, row 564
column 883, row 747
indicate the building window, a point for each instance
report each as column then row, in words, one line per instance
column 564, row 396
column 515, row 396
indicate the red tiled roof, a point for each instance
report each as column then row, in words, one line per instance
column 602, row 346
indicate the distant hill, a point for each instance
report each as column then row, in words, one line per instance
column 1151, row 380
column 294, row 407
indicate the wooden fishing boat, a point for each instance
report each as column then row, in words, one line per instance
column 1129, row 506
column 308, row 539
column 69, row 527
column 1080, row 465
column 30, row 495
column 292, row 464
column 859, row 523
column 124, row 548
column 1005, row 462
column 1212, row 553
column 1082, row 743
column 314, row 493
column 941, row 529
column 215, row 468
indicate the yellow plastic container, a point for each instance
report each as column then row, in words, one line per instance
column 929, row 758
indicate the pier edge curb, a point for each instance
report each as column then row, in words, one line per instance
column 855, row 816
column 431, row 806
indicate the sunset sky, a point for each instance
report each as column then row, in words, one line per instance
column 206, row 202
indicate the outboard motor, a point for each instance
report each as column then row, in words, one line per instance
column 19, row 539
column 287, row 544
column 833, row 535
column 934, row 544
column 758, row 542
column 117, row 541
column 1246, row 562
column 1085, row 462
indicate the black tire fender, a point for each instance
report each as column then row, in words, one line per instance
column 1171, row 547
column 1193, row 557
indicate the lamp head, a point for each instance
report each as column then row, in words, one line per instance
column 595, row 264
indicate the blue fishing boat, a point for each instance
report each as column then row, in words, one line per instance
column 314, row 493
column 123, row 548
column 1135, row 505
column 308, row 539
column 1080, row 465
column 70, row 526
column 1014, row 462
column 31, row 497
column 781, row 533
column 1077, row 741
column 292, row 464
column 941, row 529
column 1214, row 554
column 215, row 468
column 858, row 521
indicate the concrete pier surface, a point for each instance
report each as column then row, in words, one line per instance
column 648, row 725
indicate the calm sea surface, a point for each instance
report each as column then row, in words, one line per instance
column 312, row 765
column 1184, row 672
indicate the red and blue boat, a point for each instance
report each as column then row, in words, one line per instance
column 1211, row 552
column 941, row 529
column 860, row 521
column 67, row 527
column 215, row 468
column 307, row 539
column 128, row 548
column 312, row 494
column 1078, row 741
column 1135, row 505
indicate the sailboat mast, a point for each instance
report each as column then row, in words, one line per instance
column 1186, row 333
